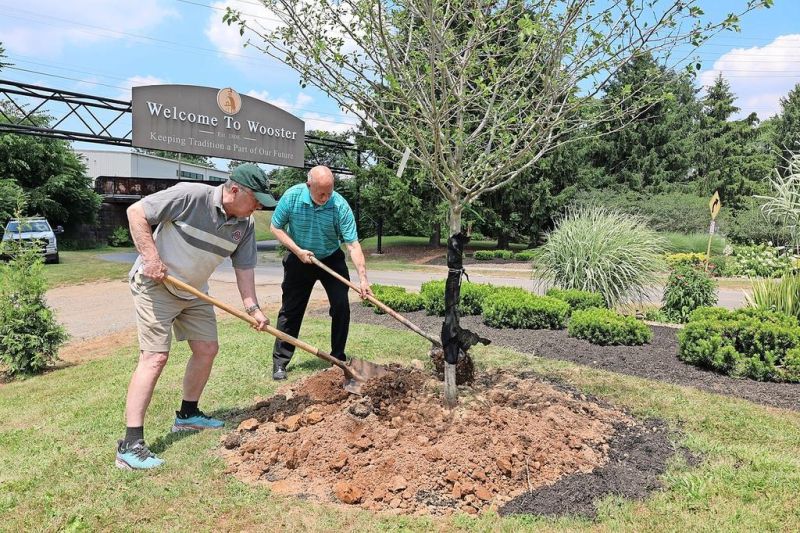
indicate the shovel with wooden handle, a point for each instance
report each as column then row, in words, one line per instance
column 385, row 308
column 355, row 373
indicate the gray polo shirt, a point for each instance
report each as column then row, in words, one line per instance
column 194, row 234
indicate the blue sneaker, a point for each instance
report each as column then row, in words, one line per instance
column 196, row 422
column 136, row 456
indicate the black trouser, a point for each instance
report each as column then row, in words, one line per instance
column 298, row 280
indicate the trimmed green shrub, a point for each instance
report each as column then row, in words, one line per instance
column 483, row 255
column 791, row 365
column 29, row 334
column 602, row 251
column 577, row 299
column 470, row 302
column 473, row 295
column 504, row 254
column 607, row 327
column 687, row 289
column 395, row 297
column 512, row 307
column 750, row 343
column 526, row 255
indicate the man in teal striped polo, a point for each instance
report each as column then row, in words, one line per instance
column 312, row 220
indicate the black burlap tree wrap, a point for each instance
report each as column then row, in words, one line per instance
column 456, row 341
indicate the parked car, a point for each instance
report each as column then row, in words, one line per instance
column 35, row 229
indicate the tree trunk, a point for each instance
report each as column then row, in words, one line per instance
column 436, row 235
column 502, row 240
column 455, row 251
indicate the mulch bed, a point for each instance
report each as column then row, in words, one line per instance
column 657, row 360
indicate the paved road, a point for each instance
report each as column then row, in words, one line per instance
column 96, row 309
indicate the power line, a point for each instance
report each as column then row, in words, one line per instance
column 16, row 59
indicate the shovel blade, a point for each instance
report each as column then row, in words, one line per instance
column 360, row 372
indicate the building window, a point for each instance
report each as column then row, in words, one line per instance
column 190, row 175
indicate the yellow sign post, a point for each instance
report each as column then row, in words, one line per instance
column 713, row 204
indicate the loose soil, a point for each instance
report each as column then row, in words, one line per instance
column 657, row 360
column 397, row 450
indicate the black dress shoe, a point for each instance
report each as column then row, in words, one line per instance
column 278, row 372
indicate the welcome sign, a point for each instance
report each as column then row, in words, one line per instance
column 216, row 123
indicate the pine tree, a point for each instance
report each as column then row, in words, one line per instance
column 787, row 130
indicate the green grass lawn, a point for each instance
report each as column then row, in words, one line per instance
column 263, row 219
column 58, row 432
column 83, row 266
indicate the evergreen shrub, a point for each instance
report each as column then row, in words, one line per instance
column 29, row 334
column 470, row 301
column 578, row 299
column 513, row 307
column 607, row 327
column 395, row 297
column 754, row 343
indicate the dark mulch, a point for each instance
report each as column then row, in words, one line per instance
column 638, row 456
column 657, row 360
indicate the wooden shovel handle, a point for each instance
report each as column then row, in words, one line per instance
column 385, row 308
column 269, row 329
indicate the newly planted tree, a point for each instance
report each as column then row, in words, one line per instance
column 477, row 91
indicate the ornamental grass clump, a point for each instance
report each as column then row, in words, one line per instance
column 395, row 297
column 687, row 289
column 597, row 250
column 781, row 295
column 754, row 343
column 512, row 307
column 607, row 327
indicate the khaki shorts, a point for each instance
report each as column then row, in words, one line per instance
column 158, row 312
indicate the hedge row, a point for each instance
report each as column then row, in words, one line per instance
column 486, row 255
column 514, row 307
column 755, row 343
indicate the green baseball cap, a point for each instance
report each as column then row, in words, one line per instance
column 252, row 177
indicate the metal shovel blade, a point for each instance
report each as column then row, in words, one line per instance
column 364, row 370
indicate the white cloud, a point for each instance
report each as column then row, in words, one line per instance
column 136, row 81
column 314, row 120
column 759, row 76
column 44, row 28
column 227, row 39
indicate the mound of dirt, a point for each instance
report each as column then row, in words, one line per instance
column 397, row 449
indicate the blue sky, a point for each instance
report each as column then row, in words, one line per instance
column 104, row 47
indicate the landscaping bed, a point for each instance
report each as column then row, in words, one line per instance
column 517, row 443
column 657, row 360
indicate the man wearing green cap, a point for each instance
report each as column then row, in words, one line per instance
column 197, row 228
